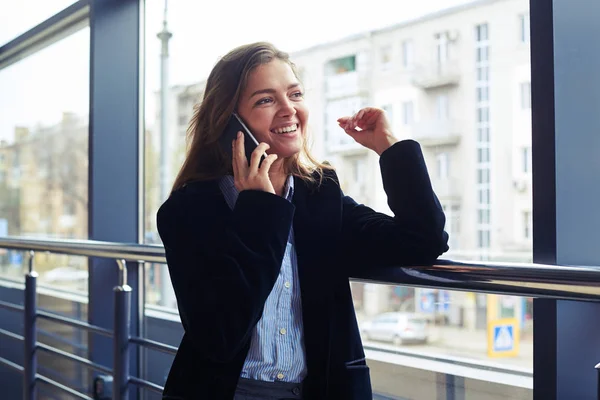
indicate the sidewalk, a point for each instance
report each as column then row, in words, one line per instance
column 470, row 344
column 473, row 344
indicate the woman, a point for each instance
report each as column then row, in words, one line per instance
column 260, row 255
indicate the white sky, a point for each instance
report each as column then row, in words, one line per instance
column 39, row 88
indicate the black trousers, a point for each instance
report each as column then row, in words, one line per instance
column 249, row 389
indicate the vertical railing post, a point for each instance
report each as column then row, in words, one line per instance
column 122, row 324
column 30, row 332
column 598, row 381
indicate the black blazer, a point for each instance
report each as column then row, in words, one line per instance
column 223, row 264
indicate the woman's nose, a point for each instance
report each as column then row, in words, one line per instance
column 287, row 108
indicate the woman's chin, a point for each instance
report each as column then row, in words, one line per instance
column 287, row 152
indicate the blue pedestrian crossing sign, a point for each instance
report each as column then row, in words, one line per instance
column 503, row 337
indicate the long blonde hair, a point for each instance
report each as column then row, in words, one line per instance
column 205, row 160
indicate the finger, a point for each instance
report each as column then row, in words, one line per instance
column 257, row 154
column 240, row 156
column 234, row 163
column 266, row 164
column 367, row 117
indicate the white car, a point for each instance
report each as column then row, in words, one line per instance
column 396, row 327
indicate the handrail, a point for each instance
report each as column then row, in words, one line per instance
column 88, row 248
column 522, row 279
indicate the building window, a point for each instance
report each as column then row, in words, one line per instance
column 526, row 160
column 525, row 95
column 452, row 226
column 524, row 28
column 483, row 239
column 481, row 32
column 389, row 112
column 385, row 57
column 527, row 224
column 408, row 113
column 483, row 155
column 407, row 53
column 341, row 65
column 359, row 166
column 442, row 48
column 442, row 108
column 68, row 208
column 443, row 165
column 483, row 94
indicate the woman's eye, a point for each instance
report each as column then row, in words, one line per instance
column 298, row 94
column 263, row 101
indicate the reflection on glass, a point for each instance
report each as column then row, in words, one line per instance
column 457, row 81
column 44, row 157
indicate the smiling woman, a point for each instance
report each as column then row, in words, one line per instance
column 439, row 72
column 262, row 253
column 258, row 82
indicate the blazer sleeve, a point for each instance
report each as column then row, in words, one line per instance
column 414, row 235
column 223, row 269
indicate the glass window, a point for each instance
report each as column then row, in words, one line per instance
column 442, row 107
column 18, row 17
column 524, row 30
column 526, row 160
column 527, row 224
column 525, row 95
column 442, row 47
column 407, row 53
column 389, row 111
column 408, row 111
column 342, row 65
column 341, row 70
column 443, row 165
column 385, row 57
column 44, row 147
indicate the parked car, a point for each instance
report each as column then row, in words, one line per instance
column 396, row 327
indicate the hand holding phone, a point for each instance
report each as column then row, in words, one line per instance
column 235, row 125
column 250, row 166
column 255, row 175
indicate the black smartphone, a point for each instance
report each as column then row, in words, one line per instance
column 235, row 125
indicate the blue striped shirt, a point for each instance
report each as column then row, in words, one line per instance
column 277, row 345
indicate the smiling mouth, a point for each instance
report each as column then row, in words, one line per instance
column 287, row 129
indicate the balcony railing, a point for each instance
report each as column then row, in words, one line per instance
column 532, row 280
column 436, row 75
column 346, row 84
column 446, row 188
column 437, row 132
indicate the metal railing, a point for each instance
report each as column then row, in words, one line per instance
column 531, row 280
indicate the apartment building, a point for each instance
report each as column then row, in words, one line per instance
column 458, row 82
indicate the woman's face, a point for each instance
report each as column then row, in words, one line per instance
column 272, row 105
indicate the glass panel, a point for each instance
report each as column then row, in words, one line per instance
column 44, row 157
column 454, row 344
column 17, row 17
column 482, row 126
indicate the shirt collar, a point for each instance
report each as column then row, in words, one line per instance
column 228, row 186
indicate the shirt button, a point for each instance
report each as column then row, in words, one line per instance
column 287, row 285
column 282, row 331
column 280, row 376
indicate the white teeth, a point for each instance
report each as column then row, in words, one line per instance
column 287, row 129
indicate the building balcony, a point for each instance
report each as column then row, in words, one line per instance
column 436, row 75
column 346, row 84
column 437, row 132
column 446, row 188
